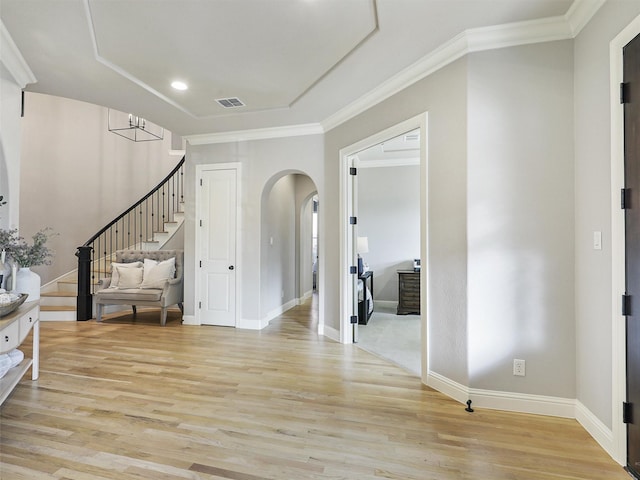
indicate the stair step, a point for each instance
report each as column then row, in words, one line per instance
column 57, row 308
column 58, row 293
column 50, row 313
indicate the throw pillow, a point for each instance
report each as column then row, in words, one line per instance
column 114, row 272
column 157, row 273
column 129, row 277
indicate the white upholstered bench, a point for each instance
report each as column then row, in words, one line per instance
column 163, row 293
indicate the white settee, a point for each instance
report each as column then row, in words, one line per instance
column 162, row 294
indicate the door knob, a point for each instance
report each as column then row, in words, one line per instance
column 230, row 267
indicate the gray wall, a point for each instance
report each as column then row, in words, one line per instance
column 521, row 219
column 305, row 190
column 593, row 205
column 278, row 245
column 76, row 176
column 444, row 95
column 389, row 215
column 263, row 163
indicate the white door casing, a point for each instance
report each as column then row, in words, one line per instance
column 216, row 264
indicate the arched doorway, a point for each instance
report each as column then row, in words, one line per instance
column 286, row 246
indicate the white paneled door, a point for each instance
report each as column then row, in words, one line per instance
column 217, row 239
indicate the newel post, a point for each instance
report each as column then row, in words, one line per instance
column 84, row 302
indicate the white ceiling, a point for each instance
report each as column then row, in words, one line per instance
column 290, row 61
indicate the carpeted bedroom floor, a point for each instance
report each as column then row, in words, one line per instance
column 393, row 337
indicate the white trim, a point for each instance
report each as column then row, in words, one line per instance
column 397, row 162
column 580, row 13
column 276, row 312
column 177, row 153
column 618, row 346
column 473, row 40
column 189, row 320
column 237, row 166
column 523, row 403
column 345, row 157
column 444, row 385
column 255, row 134
column 305, row 296
column 507, row 401
column 598, row 430
column 330, row 332
column 251, row 324
column 13, row 60
column 390, row 304
column 121, row 71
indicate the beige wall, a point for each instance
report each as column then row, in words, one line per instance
column 76, row 176
column 10, row 124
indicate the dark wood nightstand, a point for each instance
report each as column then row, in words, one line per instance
column 408, row 292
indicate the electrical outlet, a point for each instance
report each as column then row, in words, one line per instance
column 518, row 367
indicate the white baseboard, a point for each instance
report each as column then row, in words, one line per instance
column 306, row 296
column 509, row 401
column 329, row 332
column 390, row 304
column 450, row 388
column 252, row 324
column 279, row 310
column 598, row 430
column 189, row 320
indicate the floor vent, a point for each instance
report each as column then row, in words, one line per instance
column 233, row 102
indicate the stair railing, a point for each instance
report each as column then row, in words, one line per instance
column 130, row 230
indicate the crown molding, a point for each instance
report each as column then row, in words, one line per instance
column 580, row 12
column 550, row 29
column 256, row 134
column 564, row 27
column 13, row 60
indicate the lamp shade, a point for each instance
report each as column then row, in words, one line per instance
column 362, row 245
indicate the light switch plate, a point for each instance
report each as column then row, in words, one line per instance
column 597, row 240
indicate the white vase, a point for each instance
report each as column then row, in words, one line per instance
column 27, row 281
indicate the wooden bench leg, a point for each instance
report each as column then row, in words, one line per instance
column 135, row 310
column 98, row 312
column 163, row 316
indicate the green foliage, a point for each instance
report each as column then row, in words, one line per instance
column 25, row 254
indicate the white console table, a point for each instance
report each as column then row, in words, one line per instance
column 14, row 328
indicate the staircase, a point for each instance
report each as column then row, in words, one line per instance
column 147, row 225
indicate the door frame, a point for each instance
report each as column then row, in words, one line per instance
column 347, row 248
column 200, row 168
column 619, row 374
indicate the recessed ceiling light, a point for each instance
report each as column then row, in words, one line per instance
column 178, row 85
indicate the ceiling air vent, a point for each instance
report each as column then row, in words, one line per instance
column 233, row 102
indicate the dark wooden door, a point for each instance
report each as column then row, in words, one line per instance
column 632, row 240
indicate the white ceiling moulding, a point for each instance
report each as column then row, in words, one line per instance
column 13, row 60
column 392, row 162
column 563, row 27
column 121, row 71
column 257, row 134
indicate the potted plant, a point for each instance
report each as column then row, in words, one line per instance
column 25, row 255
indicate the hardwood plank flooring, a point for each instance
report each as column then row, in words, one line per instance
column 130, row 400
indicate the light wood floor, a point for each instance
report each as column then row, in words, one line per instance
column 131, row 400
